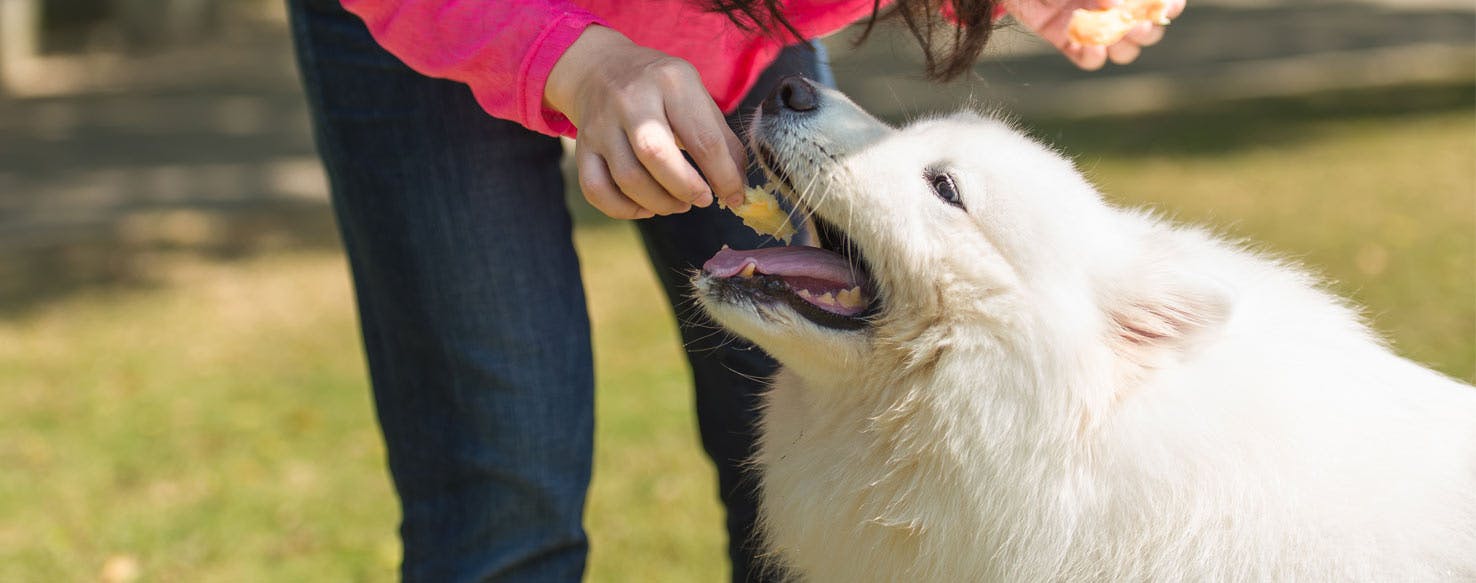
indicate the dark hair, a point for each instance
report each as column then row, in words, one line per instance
column 950, row 44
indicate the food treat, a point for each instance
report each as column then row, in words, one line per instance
column 761, row 212
column 1106, row 27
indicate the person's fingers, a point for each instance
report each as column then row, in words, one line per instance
column 1123, row 53
column 739, row 153
column 1087, row 57
column 1053, row 28
column 705, row 135
column 1145, row 34
column 1174, row 9
column 600, row 190
column 635, row 181
column 656, row 148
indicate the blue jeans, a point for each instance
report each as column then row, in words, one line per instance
column 473, row 313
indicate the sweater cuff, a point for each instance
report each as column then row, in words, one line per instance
column 539, row 62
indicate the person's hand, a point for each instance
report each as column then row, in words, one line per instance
column 636, row 110
column 1048, row 19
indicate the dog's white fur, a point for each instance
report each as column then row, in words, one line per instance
column 1057, row 389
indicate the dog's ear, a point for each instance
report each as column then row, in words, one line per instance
column 1163, row 312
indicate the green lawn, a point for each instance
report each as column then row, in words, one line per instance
column 216, row 426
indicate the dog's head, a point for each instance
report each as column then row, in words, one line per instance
column 951, row 236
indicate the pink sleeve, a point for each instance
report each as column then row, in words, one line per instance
column 502, row 49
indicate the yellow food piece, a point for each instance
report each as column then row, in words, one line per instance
column 1106, row 27
column 761, row 212
column 1099, row 27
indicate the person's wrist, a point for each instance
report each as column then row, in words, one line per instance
column 561, row 88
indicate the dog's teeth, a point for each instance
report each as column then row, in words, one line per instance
column 747, row 271
column 827, row 298
column 850, row 298
column 804, row 293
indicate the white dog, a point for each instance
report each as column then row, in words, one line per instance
column 1000, row 377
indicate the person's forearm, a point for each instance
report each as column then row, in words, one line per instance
column 503, row 49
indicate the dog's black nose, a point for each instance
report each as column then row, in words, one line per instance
column 792, row 94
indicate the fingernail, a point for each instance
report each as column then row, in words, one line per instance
column 703, row 200
column 645, row 214
column 734, row 201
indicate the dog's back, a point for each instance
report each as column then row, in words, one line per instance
column 1290, row 444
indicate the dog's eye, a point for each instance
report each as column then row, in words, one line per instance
column 944, row 187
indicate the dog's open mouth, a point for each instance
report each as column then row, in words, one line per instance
column 827, row 285
column 816, row 283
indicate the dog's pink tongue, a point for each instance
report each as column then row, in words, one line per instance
column 812, row 262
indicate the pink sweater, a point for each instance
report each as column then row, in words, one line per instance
column 504, row 49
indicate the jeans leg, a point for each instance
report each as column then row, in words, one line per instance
column 471, row 306
column 724, row 368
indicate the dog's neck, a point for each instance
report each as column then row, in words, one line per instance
column 1039, row 390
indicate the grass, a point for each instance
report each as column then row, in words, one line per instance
column 216, row 425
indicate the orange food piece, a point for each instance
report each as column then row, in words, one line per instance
column 1106, row 27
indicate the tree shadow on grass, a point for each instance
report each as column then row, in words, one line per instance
column 1225, row 128
column 116, row 253
column 119, row 255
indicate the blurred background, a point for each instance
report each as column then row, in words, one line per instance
column 180, row 376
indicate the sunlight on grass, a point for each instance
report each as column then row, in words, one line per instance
column 214, row 427
column 220, row 426
column 653, row 510
column 217, row 425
